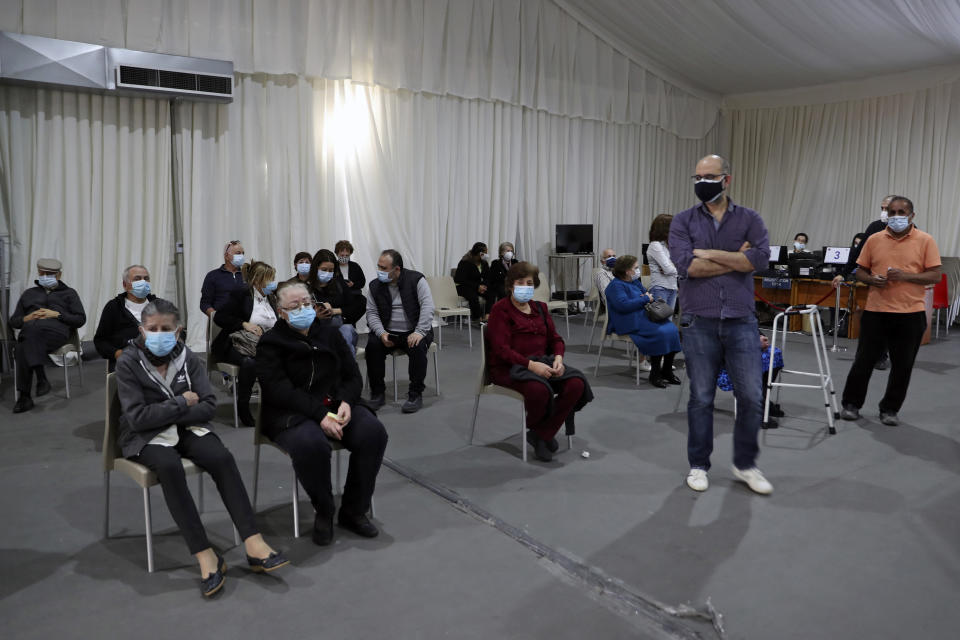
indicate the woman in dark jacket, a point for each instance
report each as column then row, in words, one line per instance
column 526, row 354
column 302, row 263
column 166, row 403
column 120, row 318
column 311, row 395
column 472, row 279
column 247, row 313
column 498, row 271
column 336, row 304
column 350, row 271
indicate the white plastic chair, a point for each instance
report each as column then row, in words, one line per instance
column 73, row 345
column 485, row 386
column 447, row 304
column 631, row 348
column 232, row 371
column 542, row 294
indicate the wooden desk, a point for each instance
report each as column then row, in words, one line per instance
column 804, row 291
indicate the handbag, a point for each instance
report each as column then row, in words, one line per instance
column 658, row 310
column 245, row 343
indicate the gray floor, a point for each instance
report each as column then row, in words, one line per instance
column 859, row 539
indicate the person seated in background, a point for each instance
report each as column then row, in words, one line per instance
column 626, row 299
column 219, row 284
column 800, row 242
column 472, row 278
column 120, row 318
column 526, row 354
column 311, row 385
column 166, row 404
column 302, row 264
column 663, row 273
column 336, row 305
column 400, row 316
column 45, row 315
column 242, row 320
column 498, row 271
column 726, row 384
column 603, row 275
column 350, row 270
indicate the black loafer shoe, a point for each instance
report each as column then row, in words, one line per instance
column 671, row 379
column 25, row 403
column 770, row 424
column 271, row 563
column 541, row 451
column 43, row 387
column 377, row 400
column 413, row 404
column 360, row 525
column 322, row 530
column 658, row 382
column 214, row 582
column 553, row 445
column 246, row 418
column 776, row 411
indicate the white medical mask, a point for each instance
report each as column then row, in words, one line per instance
column 523, row 292
column 799, row 246
column 324, row 276
column 508, row 255
column 237, row 260
column 383, row 276
column 636, row 274
column 303, row 268
column 898, row 224
column 47, row 282
column 883, row 215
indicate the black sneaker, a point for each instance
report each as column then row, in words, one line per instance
column 882, row 364
column 850, row 412
column 43, row 387
column 541, row 451
column 24, row 403
column 322, row 530
column 770, row 424
column 776, row 411
column 246, row 418
column 377, row 400
column 658, row 382
column 413, row 404
column 889, row 418
column 360, row 525
column 553, row 445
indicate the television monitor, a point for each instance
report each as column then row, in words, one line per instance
column 643, row 249
column 574, row 238
column 836, row 255
column 778, row 254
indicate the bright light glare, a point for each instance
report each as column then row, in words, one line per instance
column 347, row 127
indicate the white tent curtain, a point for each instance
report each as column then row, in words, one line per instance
column 86, row 180
column 297, row 164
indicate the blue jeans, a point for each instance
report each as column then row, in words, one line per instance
column 349, row 333
column 667, row 295
column 708, row 345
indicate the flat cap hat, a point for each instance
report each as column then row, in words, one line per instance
column 49, row 264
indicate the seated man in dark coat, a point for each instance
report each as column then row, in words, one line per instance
column 120, row 318
column 311, row 395
column 45, row 315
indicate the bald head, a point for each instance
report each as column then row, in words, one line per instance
column 713, row 164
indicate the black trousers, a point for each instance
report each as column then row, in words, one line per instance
column 208, row 453
column 35, row 341
column 247, row 376
column 309, row 448
column 473, row 296
column 376, row 357
column 900, row 333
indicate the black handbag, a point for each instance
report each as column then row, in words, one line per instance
column 658, row 310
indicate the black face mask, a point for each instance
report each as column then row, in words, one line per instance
column 708, row 191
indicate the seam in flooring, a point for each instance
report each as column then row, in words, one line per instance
column 653, row 616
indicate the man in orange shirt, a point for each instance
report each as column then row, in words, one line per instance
column 897, row 263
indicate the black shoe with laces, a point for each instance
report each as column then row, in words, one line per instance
column 43, row 387
column 322, row 530
column 413, row 404
column 24, row 403
column 541, row 450
column 360, row 525
column 377, row 400
column 246, row 418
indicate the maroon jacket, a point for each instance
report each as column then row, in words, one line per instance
column 514, row 337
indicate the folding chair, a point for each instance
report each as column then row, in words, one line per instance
column 232, row 371
column 72, row 345
column 542, row 294
column 618, row 338
column 447, row 304
column 394, row 353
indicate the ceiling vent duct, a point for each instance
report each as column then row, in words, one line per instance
column 26, row 59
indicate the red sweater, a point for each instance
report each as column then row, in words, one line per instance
column 514, row 337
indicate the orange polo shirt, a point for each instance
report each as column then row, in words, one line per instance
column 914, row 253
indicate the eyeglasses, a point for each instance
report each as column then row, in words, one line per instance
column 707, row 176
column 302, row 304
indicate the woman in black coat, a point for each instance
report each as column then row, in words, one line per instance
column 472, row 279
column 311, row 395
column 499, row 269
column 337, row 305
column 350, row 271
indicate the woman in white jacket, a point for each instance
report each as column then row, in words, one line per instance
column 663, row 273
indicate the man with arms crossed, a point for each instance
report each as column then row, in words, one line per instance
column 716, row 246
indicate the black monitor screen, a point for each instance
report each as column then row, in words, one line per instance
column 574, row 238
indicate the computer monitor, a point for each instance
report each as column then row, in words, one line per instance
column 574, row 238
column 836, row 255
column 778, row 254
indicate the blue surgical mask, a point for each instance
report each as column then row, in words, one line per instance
column 324, row 276
column 303, row 268
column 47, row 282
column 383, row 276
column 612, row 260
column 270, row 287
column 160, row 343
column 140, row 288
column 799, row 246
column 301, row 318
column 237, row 260
column 898, row 224
column 523, row 292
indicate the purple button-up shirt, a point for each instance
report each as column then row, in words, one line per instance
column 729, row 295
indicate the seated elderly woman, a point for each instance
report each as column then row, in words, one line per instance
column 310, row 389
column 166, row 403
column 247, row 313
column 626, row 299
column 526, row 354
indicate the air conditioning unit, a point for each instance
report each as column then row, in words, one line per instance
column 26, row 59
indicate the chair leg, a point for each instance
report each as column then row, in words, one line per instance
column 371, row 507
column 336, row 480
column 436, row 371
column 296, row 507
column 106, row 504
column 256, row 474
column 569, row 443
column 440, row 334
column 470, row 335
column 938, row 324
column 566, row 319
column 200, row 492
column 637, row 349
column 523, row 431
column 236, row 536
column 596, row 368
column 395, row 391
column 148, row 525
column 473, row 425
column 80, row 365
column 66, row 376
column 236, row 414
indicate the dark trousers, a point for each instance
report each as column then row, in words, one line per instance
column 35, row 341
column 247, row 376
column 309, row 449
column 376, row 357
column 900, row 333
column 473, row 297
column 208, row 453
column 536, row 400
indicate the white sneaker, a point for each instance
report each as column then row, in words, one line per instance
column 645, row 365
column 697, row 479
column 754, row 479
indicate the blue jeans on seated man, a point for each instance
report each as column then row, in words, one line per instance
column 708, row 345
column 667, row 295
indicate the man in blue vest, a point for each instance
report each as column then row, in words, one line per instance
column 400, row 316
